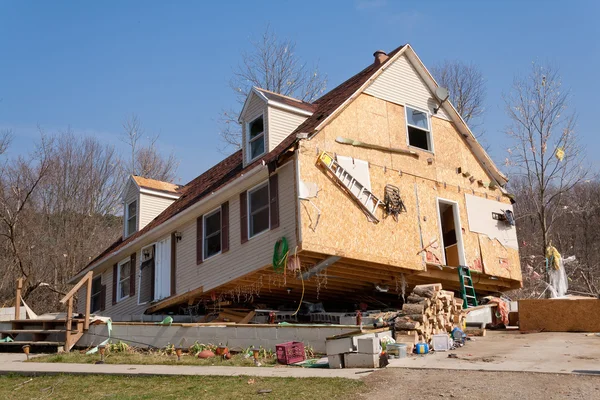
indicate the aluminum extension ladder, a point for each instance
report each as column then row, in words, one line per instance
column 363, row 196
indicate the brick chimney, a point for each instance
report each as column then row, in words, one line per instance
column 380, row 57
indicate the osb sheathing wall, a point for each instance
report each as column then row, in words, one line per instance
column 344, row 230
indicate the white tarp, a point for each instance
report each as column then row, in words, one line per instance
column 359, row 169
column 479, row 213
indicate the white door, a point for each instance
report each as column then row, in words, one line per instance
column 162, row 274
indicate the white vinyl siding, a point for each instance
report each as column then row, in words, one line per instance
column 150, row 207
column 240, row 259
column 400, row 83
column 281, row 124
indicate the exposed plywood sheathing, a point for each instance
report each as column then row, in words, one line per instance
column 560, row 315
column 376, row 121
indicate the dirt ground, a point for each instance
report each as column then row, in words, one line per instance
column 413, row 384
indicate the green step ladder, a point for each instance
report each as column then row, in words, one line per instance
column 467, row 290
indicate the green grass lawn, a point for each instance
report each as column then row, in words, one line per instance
column 147, row 358
column 174, row 387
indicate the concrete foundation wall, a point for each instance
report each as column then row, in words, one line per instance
column 236, row 337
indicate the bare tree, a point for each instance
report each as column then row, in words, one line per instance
column 5, row 140
column 274, row 65
column 145, row 159
column 57, row 211
column 545, row 153
column 466, row 85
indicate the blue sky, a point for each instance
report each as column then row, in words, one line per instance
column 88, row 65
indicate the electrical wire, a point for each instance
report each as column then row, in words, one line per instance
column 302, row 279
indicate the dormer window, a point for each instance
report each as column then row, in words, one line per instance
column 131, row 218
column 256, row 138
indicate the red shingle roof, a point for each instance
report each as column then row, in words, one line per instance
column 232, row 167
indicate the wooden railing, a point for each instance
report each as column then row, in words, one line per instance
column 70, row 338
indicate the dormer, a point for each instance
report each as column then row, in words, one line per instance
column 143, row 200
column 267, row 118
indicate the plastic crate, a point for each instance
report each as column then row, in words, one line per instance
column 290, row 352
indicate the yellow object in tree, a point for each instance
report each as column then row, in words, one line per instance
column 553, row 256
column 560, row 154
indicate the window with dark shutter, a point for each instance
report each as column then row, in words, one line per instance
column 96, row 295
column 114, row 283
column 258, row 209
column 274, row 195
column 132, row 259
column 212, row 233
column 244, row 216
column 225, row 227
column 199, row 239
column 103, row 298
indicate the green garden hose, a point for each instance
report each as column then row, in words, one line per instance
column 280, row 255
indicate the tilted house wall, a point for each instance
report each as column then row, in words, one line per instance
column 377, row 116
column 318, row 218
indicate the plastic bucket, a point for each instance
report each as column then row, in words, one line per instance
column 397, row 349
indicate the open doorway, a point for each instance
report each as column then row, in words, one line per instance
column 451, row 233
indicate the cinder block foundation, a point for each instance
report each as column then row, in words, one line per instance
column 358, row 360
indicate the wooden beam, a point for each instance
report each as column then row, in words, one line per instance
column 174, row 300
column 320, row 267
column 18, row 299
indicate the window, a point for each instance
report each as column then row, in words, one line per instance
column 419, row 131
column 256, row 138
column 131, row 216
column 124, row 273
column 96, row 297
column 212, row 233
column 258, row 209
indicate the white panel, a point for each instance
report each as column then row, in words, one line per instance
column 162, row 277
column 359, row 169
column 281, row 124
column 400, row 83
column 479, row 213
column 150, row 207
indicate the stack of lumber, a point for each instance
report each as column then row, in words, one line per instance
column 428, row 310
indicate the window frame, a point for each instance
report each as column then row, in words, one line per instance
column 250, row 140
column 128, row 217
column 139, row 274
column 428, row 132
column 99, row 293
column 249, row 211
column 220, row 233
column 119, row 280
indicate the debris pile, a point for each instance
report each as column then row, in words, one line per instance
column 428, row 311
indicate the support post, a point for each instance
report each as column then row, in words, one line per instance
column 88, row 304
column 69, row 324
column 18, row 299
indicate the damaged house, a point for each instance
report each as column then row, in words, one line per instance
column 377, row 186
